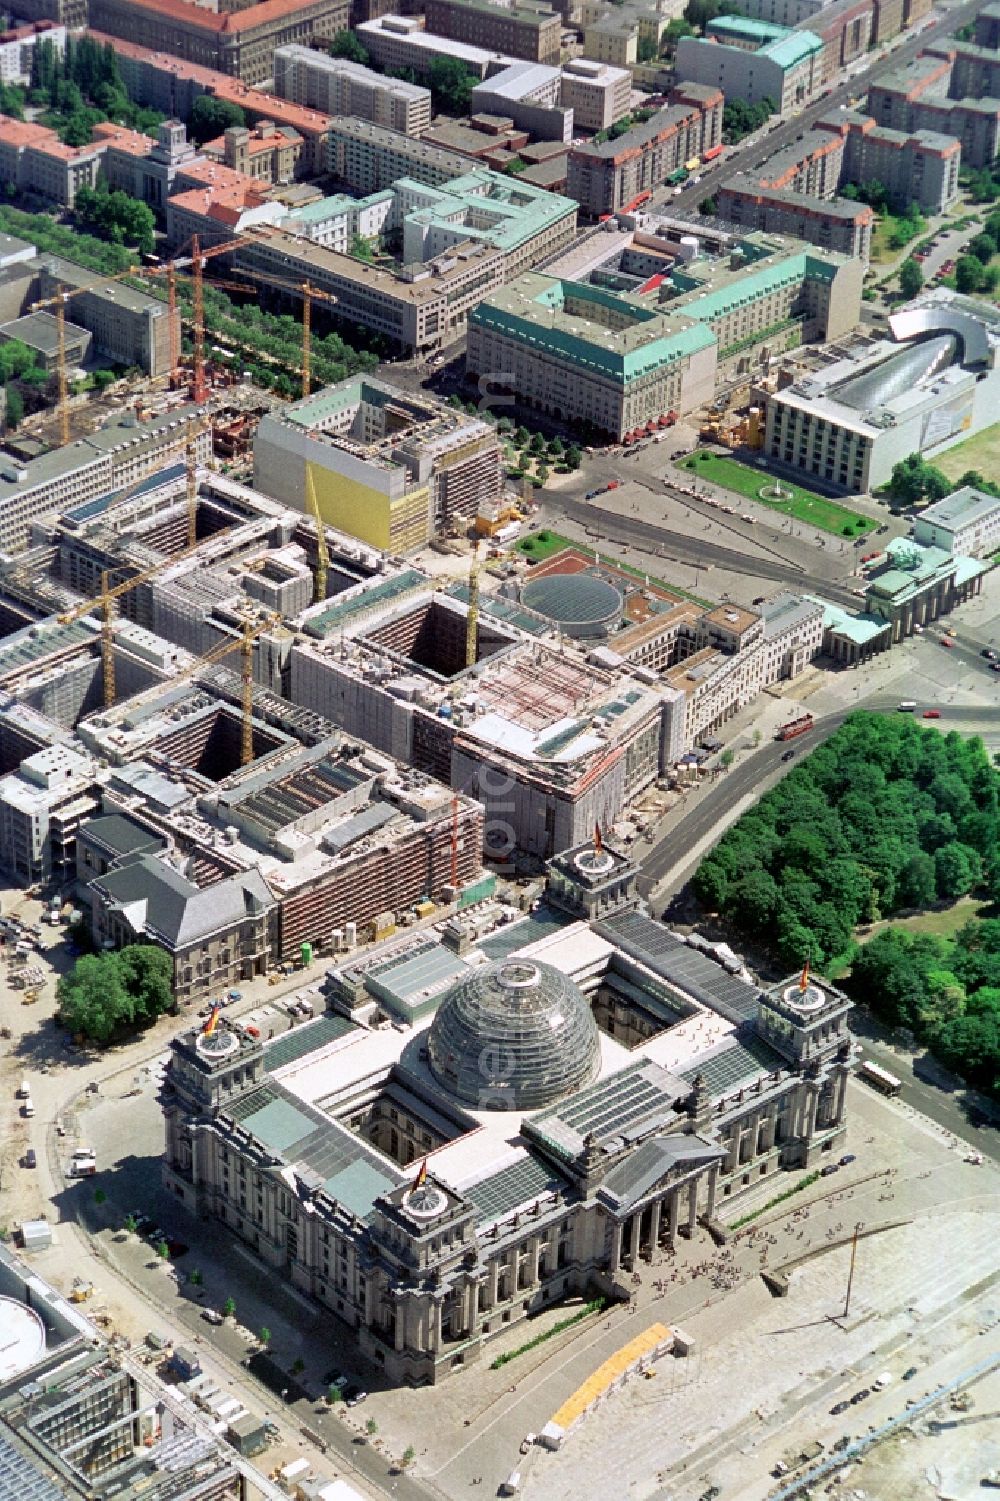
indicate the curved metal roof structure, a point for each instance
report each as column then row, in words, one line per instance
column 937, row 318
column 514, row 1036
column 898, row 372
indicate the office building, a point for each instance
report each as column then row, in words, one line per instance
column 529, row 94
column 753, row 61
column 619, row 360
column 396, row 42
column 41, row 807
column 616, row 175
column 111, row 458
column 318, row 81
column 419, row 308
column 240, row 43
column 966, row 523
column 386, row 467
column 648, row 1089
column 930, row 384
column 84, row 1421
column 528, row 30
column 267, row 153
column 597, row 93
column 34, row 160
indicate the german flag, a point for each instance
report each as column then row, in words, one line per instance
column 804, row 977
column 421, row 1178
column 598, row 840
column 212, row 1022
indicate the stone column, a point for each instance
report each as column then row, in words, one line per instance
column 636, row 1235
column 692, row 1206
column 713, row 1184
column 654, row 1224
column 841, row 1098
column 494, row 1279
column 400, row 1325
column 534, row 1253
column 435, row 1330
column 615, row 1260
column 673, row 1209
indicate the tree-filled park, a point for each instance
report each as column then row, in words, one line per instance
column 887, row 816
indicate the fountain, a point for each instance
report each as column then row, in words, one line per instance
column 775, row 492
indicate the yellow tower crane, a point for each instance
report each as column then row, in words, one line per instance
column 322, row 552
column 472, row 619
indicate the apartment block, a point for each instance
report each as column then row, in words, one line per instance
column 338, row 87
column 384, row 466
column 521, row 30
column 612, row 175
column 239, row 43
column 368, row 158
column 164, row 82
column 17, row 47
column 917, row 98
column 754, row 60
column 597, row 93
column 834, row 224
column 845, row 28
column 920, row 168
column 396, row 42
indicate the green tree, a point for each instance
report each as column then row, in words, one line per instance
column 521, row 437
column 100, row 1197
column 92, row 999
column 130, row 1224
column 554, row 448
column 409, row 1455
column 210, row 116
column 968, row 274
column 537, row 444
column 913, row 479
column 229, row 1308
column 953, row 870
column 911, row 278
column 147, row 973
column 450, row 84
column 162, row 1250
column 647, row 51
column 345, row 44
column 371, row 1427
column 676, row 28
column 264, row 1336
column 983, row 247
column 574, row 456
column 298, row 1366
column 361, row 248
column 918, row 881
column 14, row 408
column 196, row 1277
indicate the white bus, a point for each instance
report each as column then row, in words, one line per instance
column 879, row 1078
column 907, row 705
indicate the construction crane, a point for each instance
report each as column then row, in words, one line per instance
column 472, row 618
column 322, row 553
column 243, row 643
column 309, row 295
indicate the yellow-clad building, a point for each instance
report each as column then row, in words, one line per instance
column 384, row 466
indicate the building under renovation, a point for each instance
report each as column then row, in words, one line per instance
column 380, row 464
column 503, row 1113
column 82, row 1421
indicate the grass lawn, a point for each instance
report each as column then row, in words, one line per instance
column 541, row 545
column 815, row 510
column 538, row 546
column 981, row 452
column 942, row 922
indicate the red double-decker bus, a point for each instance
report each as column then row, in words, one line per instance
column 795, row 727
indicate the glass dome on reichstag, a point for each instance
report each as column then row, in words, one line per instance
column 514, row 1035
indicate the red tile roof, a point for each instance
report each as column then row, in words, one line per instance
column 267, row 12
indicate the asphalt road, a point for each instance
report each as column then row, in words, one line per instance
column 755, row 154
column 707, row 811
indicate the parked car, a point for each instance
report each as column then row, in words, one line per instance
column 30, row 1159
column 932, row 714
column 838, row 1408
column 212, row 1316
column 909, row 1373
column 788, row 755
column 831, row 1167
column 989, row 654
column 848, row 1158
column 946, row 642
column 353, row 1395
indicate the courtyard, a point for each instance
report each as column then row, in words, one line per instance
column 753, row 484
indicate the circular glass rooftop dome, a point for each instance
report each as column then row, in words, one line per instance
column 513, row 1036
column 582, row 604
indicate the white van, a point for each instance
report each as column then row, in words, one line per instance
column 28, row 1108
column 24, row 1090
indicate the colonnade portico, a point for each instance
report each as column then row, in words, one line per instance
column 672, row 1210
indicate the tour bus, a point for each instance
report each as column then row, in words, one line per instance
column 907, row 705
column 879, row 1078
